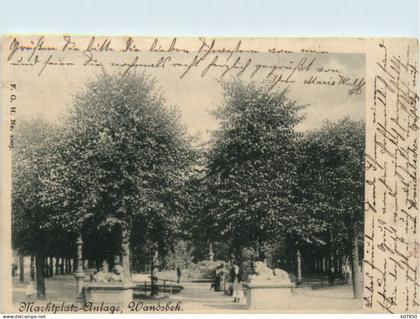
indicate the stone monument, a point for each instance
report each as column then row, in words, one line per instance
column 110, row 287
column 268, row 288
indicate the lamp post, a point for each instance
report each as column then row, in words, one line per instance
column 79, row 274
column 125, row 247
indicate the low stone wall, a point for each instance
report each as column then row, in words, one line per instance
column 268, row 296
column 115, row 293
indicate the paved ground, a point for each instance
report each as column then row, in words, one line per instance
column 197, row 297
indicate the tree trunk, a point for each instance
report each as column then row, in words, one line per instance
column 299, row 268
column 46, row 271
column 331, row 274
column 154, row 289
column 21, row 268
column 125, row 247
column 62, row 266
column 32, row 270
column 355, row 271
column 51, row 267
column 330, row 260
column 152, row 274
column 257, row 249
column 57, row 266
column 40, row 281
column 338, row 269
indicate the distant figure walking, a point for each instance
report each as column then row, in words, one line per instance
column 178, row 274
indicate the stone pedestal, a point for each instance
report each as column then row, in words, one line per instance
column 109, row 293
column 268, row 295
column 80, row 297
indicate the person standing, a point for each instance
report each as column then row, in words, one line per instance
column 178, row 274
column 237, row 292
column 218, row 278
column 231, row 278
column 222, row 273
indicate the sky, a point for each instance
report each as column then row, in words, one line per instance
column 50, row 94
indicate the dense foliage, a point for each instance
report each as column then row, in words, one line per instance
column 120, row 169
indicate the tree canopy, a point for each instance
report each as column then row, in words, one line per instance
column 251, row 169
column 121, row 165
column 118, row 160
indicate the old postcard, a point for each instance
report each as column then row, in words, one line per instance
column 209, row 175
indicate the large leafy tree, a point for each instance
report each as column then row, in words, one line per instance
column 331, row 189
column 200, row 225
column 120, row 162
column 31, row 222
column 266, row 183
column 251, row 165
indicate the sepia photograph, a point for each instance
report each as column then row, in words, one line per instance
column 151, row 189
column 209, row 175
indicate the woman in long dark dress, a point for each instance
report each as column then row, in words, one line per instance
column 178, row 274
column 217, row 279
column 237, row 284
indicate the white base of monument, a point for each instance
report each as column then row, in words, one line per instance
column 116, row 293
column 268, row 296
